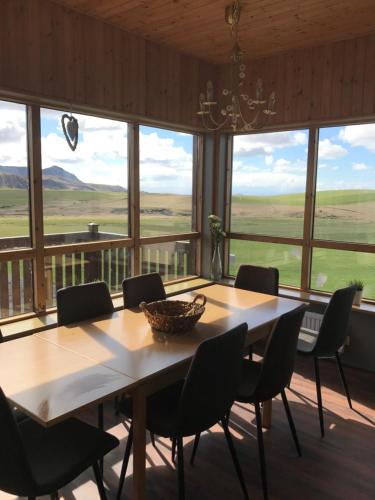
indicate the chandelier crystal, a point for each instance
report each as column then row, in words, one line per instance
column 237, row 110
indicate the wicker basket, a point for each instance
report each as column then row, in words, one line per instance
column 173, row 316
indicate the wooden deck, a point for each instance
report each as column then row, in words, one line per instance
column 337, row 467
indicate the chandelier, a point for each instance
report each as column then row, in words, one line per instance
column 238, row 110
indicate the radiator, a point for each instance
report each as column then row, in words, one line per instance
column 312, row 321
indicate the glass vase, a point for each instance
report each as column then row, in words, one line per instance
column 216, row 269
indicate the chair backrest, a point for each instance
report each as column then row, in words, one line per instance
column 334, row 327
column 145, row 288
column 80, row 302
column 258, row 279
column 279, row 356
column 211, row 383
column 15, row 472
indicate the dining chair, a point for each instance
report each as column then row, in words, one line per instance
column 262, row 381
column 329, row 341
column 257, row 279
column 144, row 288
column 196, row 403
column 36, row 461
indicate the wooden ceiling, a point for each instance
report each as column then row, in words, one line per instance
column 197, row 27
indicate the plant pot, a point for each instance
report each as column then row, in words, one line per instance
column 358, row 297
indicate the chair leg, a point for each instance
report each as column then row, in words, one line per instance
column 250, row 351
column 319, row 396
column 233, row 453
column 262, row 457
column 195, row 447
column 101, row 427
column 291, row 422
column 152, row 435
column 344, row 383
column 125, row 462
column 180, row 468
column 99, row 482
column 173, row 450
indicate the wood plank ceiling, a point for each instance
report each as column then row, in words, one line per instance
column 267, row 26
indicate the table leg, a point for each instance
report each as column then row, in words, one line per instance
column 139, row 444
column 267, row 414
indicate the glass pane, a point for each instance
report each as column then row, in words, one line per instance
column 166, row 181
column 286, row 258
column 332, row 269
column 111, row 266
column 84, row 192
column 14, row 177
column 16, row 287
column 345, row 199
column 173, row 260
column 268, row 183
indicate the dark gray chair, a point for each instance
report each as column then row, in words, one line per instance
column 144, row 288
column 36, row 461
column 81, row 302
column 331, row 337
column 262, row 381
column 197, row 403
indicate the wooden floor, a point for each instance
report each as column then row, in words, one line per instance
column 340, row 466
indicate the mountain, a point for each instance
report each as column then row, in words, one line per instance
column 54, row 177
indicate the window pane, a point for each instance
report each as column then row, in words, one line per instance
column 268, row 183
column 332, row 269
column 87, row 186
column 166, row 181
column 345, row 200
column 16, row 287
column 111, row 266
column 173, row 260
column 286, row 258
column 14, row 177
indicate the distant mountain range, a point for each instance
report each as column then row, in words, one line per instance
column 53, row 178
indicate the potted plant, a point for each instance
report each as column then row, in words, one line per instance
column 359, row 285
column 217, row 235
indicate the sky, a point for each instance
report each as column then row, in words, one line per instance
column 263, row 163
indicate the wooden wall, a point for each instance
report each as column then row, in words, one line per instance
column 331, row 82
column 54, row 53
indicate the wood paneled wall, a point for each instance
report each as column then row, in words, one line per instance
column 328, row 83
column 54, row 53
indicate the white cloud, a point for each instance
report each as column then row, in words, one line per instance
column 359, row 166
column 268, row 160
column 359, row 135
column 13, row 147
column 266, row 144
column 330, row 151
column 278, row 182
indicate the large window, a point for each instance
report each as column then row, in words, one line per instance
column 268, row 198
column 166, row 181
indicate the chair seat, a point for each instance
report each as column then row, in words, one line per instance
column 162, row 410
column 59, row 454
column 250, row 372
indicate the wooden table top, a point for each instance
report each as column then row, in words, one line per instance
column 50, row 383
column 124, row 341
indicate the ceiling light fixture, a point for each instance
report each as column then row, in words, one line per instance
column 238, row 111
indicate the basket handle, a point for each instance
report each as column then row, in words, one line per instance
column 143, row 306
column 200, row 296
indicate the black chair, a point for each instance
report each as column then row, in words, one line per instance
column 257, row 279
column 144, row 288
column 37, row 461
column 331, row 337
column 197, row 403
column 81, row 302
column 262, row 381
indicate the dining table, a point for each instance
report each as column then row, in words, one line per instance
column 56, row 373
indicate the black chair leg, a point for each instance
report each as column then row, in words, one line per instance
column 250, row 352
column 153, row 439
column 262, row 457
column 180, row 468
column 173, row 449
column 291, row 422
column 233, row 453
column 101, row 427
column 195, row 447
column 344, row 383
column 125, row 462
column 99, row 482
column 319, row 396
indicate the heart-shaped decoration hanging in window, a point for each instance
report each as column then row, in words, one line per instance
column 70, row 128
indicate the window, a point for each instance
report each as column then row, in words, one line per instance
column 166, row 181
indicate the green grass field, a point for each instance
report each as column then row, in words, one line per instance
column 343, row 215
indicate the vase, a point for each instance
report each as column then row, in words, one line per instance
column 357, row 298
column 216, row 269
